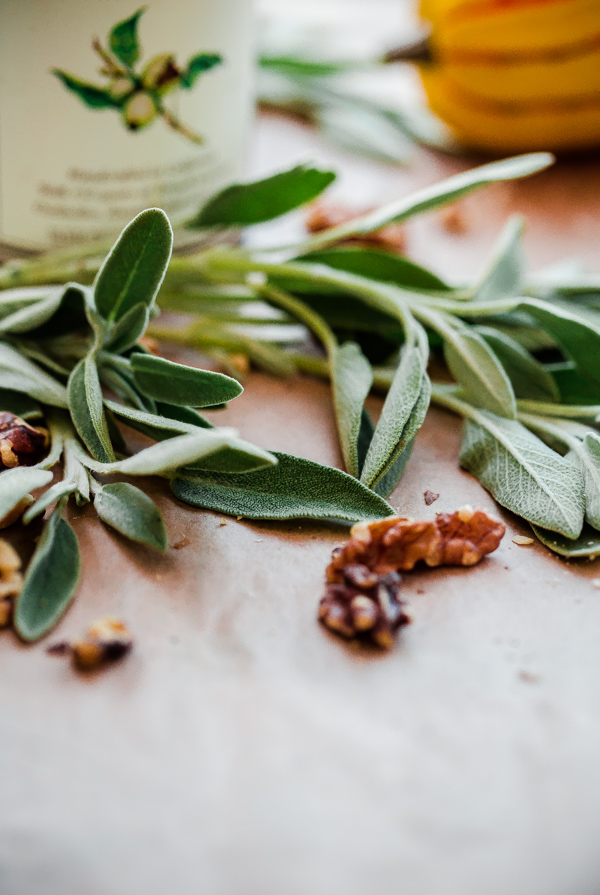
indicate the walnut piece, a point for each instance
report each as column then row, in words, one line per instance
column 398, row 542
column 107, row 640
column 11, row 581
column 20, row 443
column 364, row 605
column 323, row 215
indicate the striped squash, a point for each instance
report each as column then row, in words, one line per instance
column 515, row 75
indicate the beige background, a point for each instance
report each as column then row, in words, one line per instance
column 241, row 750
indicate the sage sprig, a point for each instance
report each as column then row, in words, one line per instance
column 66, row 353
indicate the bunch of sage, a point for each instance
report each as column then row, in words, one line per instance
column 520, row 347
column 71, row 356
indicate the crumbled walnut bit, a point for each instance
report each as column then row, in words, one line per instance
column 324, row 215
column 240, row 363
column 454, row 220
column 20, row 443
column 150, row 344
column 398, row 542
column 179, row 545
column 430, row 497
column 107, row 640
column 11, row 581
column 365, row 605
column 522, row 540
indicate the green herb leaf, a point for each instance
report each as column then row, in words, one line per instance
column 252, row 203
column 87, row 410
column 579, row 338
column 293, row 489
column 574, row 387
column 90, row 94
column 587, row 544
column 391, row 438
column 15, row 484
column 20, row 375
column 433, row 196
column 473, row 364
column 352, row 377
column 32, row 314
column 523, row 474
column 587, row 455
column 185, row 450
column 151, row 424
column 123, row 39
column 239, row 457
column 363, row 129
column 61, row 489
column 134, row 268
column 128, row 329
column 131, row 512
column 182, row 414
column 174, row 383
column 377, row 265
column 196, row 66
column 529, row 378
column 507, row 271
column 389, row 480
column 50, row 581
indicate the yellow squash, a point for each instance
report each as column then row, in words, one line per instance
column 515, row 75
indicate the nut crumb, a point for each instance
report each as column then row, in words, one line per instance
column 454, row 220
column 238, row 518
column 184, row 542
column 528, row 677
column 11, row 581
column 324, row 215
column 222, row 523
column 522, row 540
column 106, row 641
column 430, row 497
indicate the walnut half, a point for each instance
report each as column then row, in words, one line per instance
column 398, row 542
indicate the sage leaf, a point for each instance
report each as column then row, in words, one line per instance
column 523, row 474
column 587, row 544
column 32, row 315
column 61, row 489
column 587, row 454
column 431, row 197
column 12, row 300
column 579, row 338
column 174, row 383
column 134, row 268
column 389, row 480
column 184, row 450
column 238, row 458
column 91, row 95
column 389, row 439
column 294, row 489
column 128, row 329
column 50, row 581
column 364, row 130
column 132, row 513
column 473, row 364
column 378, row 265
column 87, row 410
column 123, row 39
column 506, row 274
column 196, row 66
column 19, row 374
column 365, row 436
column 574, row 387
column 182, row 414
column 529, row 378
column 16, row 483
column 352, row 377
column 243, row 204
column 151, row 424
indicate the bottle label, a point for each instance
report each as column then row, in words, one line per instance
column 106, row 109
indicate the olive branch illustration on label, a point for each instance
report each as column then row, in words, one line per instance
column 138, row 95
